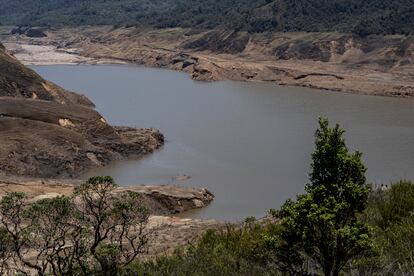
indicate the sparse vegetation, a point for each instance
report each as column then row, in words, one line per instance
column 93, row 231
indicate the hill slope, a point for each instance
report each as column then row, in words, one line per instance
column 18, row 81
column 47, row 131
column 356, row 16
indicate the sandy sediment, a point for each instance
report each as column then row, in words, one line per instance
column 30, row 54
column 45, row 55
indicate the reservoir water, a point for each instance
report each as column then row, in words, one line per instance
column 248, row 143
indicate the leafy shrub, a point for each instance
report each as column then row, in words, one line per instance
column 232, row 251
column 92, row 231
column 390, row 213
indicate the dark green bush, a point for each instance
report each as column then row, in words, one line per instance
column 391, row 216
column 232, row 251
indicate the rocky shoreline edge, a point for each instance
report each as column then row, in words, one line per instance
column 50, row 136
column 163, row 201
column 107, row 45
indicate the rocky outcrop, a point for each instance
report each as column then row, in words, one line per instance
column 30, row 32
column 47, row 131
column 374, row 51
column 169, row 199
column 160, row 199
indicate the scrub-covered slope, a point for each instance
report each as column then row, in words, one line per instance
column 46, row 131
column 356, row 16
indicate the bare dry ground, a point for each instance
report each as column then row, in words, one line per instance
column 374, row 65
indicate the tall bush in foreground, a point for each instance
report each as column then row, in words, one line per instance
column 321, row 229
column 230, row 251
column 390, row 213
column 320, row 232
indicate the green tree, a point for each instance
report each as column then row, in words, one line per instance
column 117, row 222
column 98, row 230
column 321, row 227
column 56, row 236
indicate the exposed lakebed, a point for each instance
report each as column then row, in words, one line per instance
column 248, row 143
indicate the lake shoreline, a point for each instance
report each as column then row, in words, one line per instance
column 59, row 48
column 44, row 52
column 51, row 135
column 270, row 123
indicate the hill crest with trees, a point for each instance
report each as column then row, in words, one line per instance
column 349, row 16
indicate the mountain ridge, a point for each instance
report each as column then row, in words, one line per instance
column 351, row 16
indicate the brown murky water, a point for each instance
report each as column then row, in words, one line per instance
column 249, row 143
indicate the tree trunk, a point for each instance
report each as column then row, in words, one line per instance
column 328, row 269
column 336, row 271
